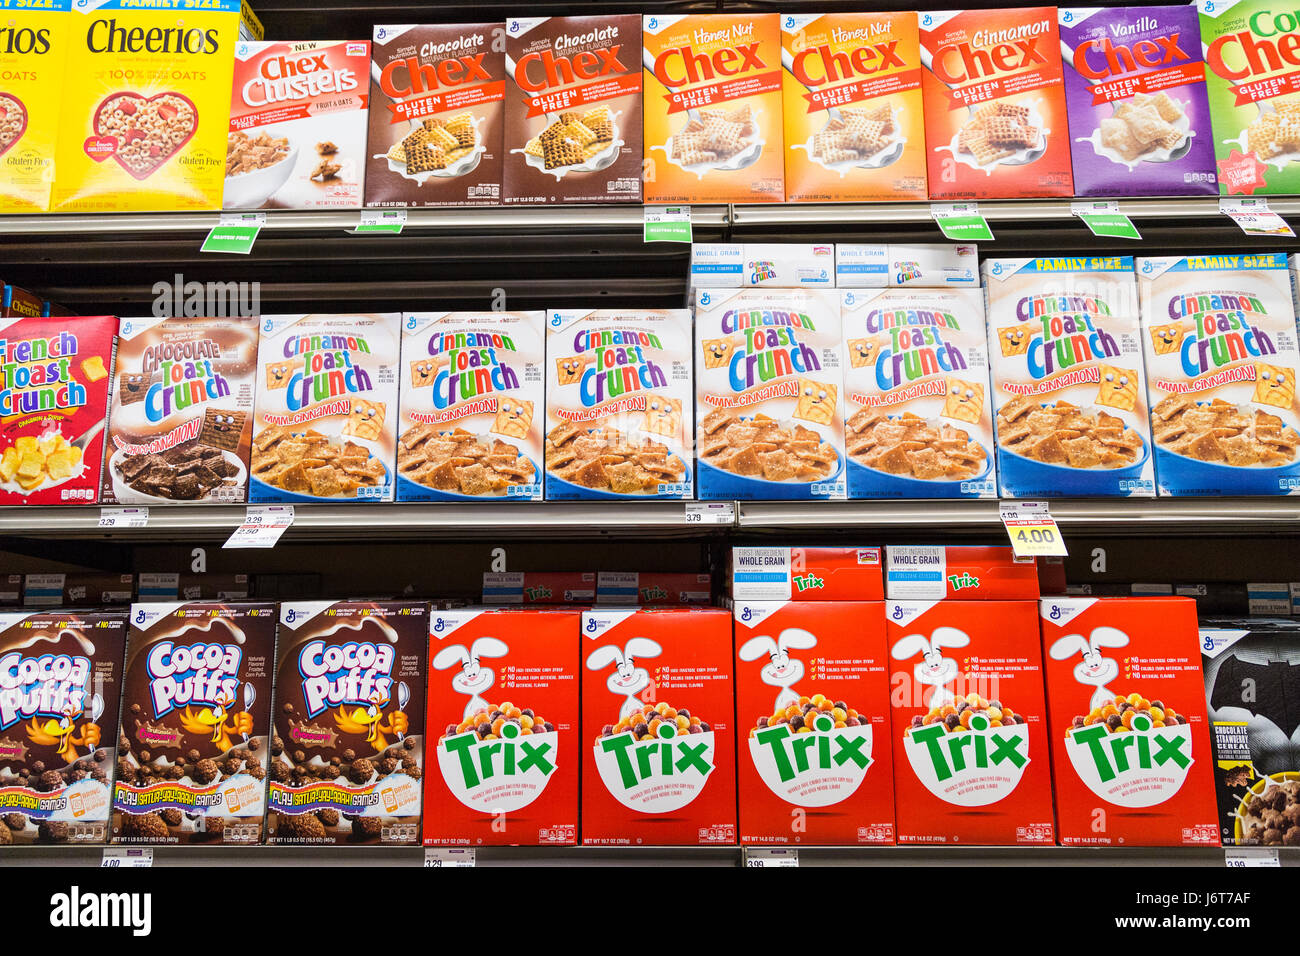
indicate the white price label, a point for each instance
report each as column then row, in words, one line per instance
column 438, row 856
column 1032, row 530
column 382, row 220
column 755, row 856
column 262, row 527
column 1243, row 856
column 710, row 512
column 1254, row 217
column 122, row 857
column 123, row 517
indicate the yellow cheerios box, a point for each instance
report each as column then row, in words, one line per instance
column 146, row 105
column 34, row 39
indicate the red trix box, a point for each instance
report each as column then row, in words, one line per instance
column 806, row 574
column 969, row 723
column 958, row 573
column 539, row 587
column 54, row 381
column 815, row 764
column 503, row 707
column 659, row 748
column 628, row 588
column 1131, row 755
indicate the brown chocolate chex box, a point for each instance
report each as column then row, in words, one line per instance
column 196, row 720
column 435, row 126
column 573, row 110
column 348, row 750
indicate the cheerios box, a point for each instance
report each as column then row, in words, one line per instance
column 1131, row 759
column 146, row 106
column 765, row 573
column 916, row 381
column 658, row 742
column 712, row 108
column 503, row 708
column 32, row 64
column 815, row 760
column 618, row 404
column 995, row 117
column 471, row 388
column 54, row 386
column 1219, row 334
column 325, row 426
column 854, row 125
column 768, row 394
column 1069, row 393
column 969, row 723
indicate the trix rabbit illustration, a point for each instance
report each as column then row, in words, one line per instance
column 474, row 679
column 212, row 721
column 60, row 732
column 627, row 679
column 933, row 669
column 782, row 671
column 1094, row 670
column 368, row 720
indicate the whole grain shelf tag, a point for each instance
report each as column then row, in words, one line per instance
column 961, row 221
column 667, row 223
column 235, row 233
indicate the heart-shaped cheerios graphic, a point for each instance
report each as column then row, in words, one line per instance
column 142, row 133
column 13, row 121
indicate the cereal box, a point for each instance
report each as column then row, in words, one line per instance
column 436, row 110
column 326, row 422
column 618, row 400
column 818, row 669
column 658, row 765
column 916, row 378
column 58, row 713
column 627, row 588
column 1252, row 56
column 77, row 589
column 995, row 122
column 1139, row 113
column 539, row 587
column 297, row 135
column 1131, row 759
column 713, row 108
column 196, row 722
column 54, row 384
column 1069, row 394
column 181, row 408
column 763, row 573
column 768, row 413
column 146, row 105
column 969, row 723
column 1219, row 334
column 471, row 388
column 926, row 265
column 37, row 38
column 573, row 109
column 348, row 755
column 854, row 126
column 19, row 303
column 954, row 572
column 503, row 708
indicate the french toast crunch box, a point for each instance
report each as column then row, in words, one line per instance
column 348, row 752
column 916, row 379
column 1131, row 758
column 471, row 388
column 815, row 763
column 32, row 65
column 995, row 104
column 1219, row 334
column 712, row 88
column 763, row 573
column 657, row 736
column 969, row 723
column 958, row 572
column 196, row 721
column 503, row 708
column 1069, row 393
column 854, row 125
column 54, row 386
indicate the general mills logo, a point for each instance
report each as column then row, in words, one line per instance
column 268, row 326
column 126, row 328
column 1147, row 266
column 381, row 33
column 704, row 298
column 653, row 23
column 514, row 26
column 592, row 626
column 849, row 299
column 140, row 616
column 927, row 21
column 789, row 23
column 555, row 320
column 1209, row 7
column 898, row 613
column 997, row 268
column 410, row 323
column 291, row 616
column 439, row 626
column 746, row 614
column 1055, row 612
column 1069, row 16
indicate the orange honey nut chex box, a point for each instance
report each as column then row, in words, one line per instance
column 812, row 704
column 658, row 764
column 503, row 709
column 1131, row 758
column 995, row 104
column 763, row 573
column 969, row 723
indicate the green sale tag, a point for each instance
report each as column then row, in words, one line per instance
column 382, row 221
column 961, row 222
column 235, row 233
column 667, row 223
column 1105, row 219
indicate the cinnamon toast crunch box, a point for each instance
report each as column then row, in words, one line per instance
column 854, row 123
column 1131, row 755
column 812, row 687
column 31, row 61
column 995, row 104
column 712, row 108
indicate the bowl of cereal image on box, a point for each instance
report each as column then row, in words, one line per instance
column 1213, row 448
column 1066, row 450
column 605, row 463
column 762, row 459
column 305, row 466
column 189, row 471
column 458, row 465
column 1269, row 812
column 884, row 459
column 256, row 168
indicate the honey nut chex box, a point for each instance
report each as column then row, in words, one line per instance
column 31, row 62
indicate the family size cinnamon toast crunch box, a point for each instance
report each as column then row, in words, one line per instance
column 32, row 63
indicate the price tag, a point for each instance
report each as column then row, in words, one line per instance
column 388, row 221
column 710, row 512
column 262, row 527
column 756, row 856
column 667, row 223
column 1105, row 219
column 123, row 517
column 961, row 221
column 1243, row 856
column 122, row 857
column 235, row 232
column 1254, row 217
column 1031, row 528
column 448, row 856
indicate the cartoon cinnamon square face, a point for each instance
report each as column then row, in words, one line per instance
column 277, row 375
column 663, row 416
column 366, row 420
column 863, row 352
column 514, row 418
column 1274, row 385
column 568, row 371
column 423, row 372
column 1013, row 341
column 965, row 401
column 1119, row 388
column 1166, row 339
column 717, row 352
column 816, row 401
